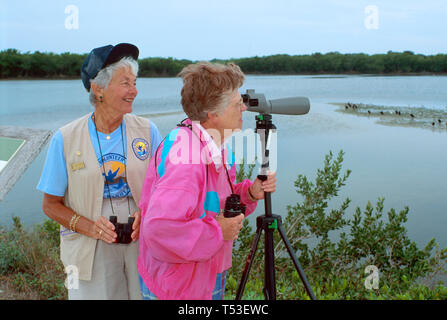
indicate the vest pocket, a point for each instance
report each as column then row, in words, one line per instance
column 68, row 234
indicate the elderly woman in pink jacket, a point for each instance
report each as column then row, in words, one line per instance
column 185, row 242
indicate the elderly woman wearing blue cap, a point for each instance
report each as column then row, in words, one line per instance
column 92, row 179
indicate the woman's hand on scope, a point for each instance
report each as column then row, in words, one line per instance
column 258, row 187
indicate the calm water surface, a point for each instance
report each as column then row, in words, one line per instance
column 406, row 166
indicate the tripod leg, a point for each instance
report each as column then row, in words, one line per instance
column 248, row 263
column 269, row 267
column 296, row 262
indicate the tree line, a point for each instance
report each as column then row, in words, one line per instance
column 14, row 64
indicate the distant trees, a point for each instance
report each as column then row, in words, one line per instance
column 337, row 63
column 14, row 64
column 161, row 67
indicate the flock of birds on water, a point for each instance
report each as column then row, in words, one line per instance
column 435, row 123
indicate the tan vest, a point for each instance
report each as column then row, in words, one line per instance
column 85, row 189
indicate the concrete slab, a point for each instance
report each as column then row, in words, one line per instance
column 18, row 148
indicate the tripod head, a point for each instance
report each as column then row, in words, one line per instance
column 264, row 126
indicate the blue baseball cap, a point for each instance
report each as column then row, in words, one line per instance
column 101, row 57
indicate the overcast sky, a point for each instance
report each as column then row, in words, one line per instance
column 206, row 29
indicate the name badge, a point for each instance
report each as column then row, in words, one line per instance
column 77, row 166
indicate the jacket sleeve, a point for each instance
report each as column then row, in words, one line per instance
column 174, row 227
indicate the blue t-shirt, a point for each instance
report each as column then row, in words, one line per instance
column 54, row 178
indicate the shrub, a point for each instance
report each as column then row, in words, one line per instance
column 336, row 268
column 29, row 260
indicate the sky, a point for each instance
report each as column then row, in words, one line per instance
column 207, row 29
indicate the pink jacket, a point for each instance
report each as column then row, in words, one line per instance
column 181, row 244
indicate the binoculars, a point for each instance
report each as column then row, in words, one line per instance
column 123, row 230
column 233, row 206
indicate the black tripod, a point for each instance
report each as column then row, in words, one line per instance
column 269, row 222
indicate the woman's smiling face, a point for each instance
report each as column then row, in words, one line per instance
column 121, row 91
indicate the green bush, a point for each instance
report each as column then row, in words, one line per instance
column 30, row 261
column 335, row 265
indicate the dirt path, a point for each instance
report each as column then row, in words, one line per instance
column 8, row 293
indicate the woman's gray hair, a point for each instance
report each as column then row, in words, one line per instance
column 104, row 76
column 207, row 87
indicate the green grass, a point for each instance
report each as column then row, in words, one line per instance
column 29, row 261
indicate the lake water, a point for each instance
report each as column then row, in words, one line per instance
column 406, row 166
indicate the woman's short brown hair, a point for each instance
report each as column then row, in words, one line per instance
column 206, row 87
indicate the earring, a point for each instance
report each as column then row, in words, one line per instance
column 100, row 98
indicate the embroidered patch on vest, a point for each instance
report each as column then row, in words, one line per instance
column 140, row 148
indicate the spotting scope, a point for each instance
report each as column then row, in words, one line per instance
column 256, row 102
column 269, row 222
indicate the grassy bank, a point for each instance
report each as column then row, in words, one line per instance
column 30, row 267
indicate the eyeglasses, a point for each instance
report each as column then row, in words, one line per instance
column 240, row 104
